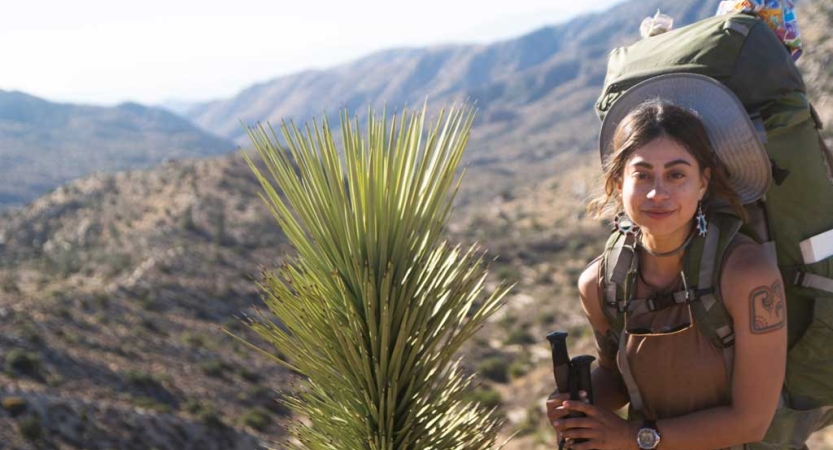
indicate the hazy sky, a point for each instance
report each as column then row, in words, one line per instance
column 105, row 52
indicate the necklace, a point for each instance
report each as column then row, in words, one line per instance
column 668, row 253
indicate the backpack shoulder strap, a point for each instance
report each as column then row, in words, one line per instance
column 616, row 264
column 703, row 266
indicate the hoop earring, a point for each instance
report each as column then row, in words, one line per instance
column 623, row 224
column 700, row 220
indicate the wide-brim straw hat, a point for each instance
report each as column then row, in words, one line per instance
column 732, row 134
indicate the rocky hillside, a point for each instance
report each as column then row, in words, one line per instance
column 816, row 63
column 113, row 290
column 45, row 144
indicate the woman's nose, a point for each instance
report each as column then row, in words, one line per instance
column 658, row 191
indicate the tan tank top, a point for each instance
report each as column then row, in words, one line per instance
column 677, row 373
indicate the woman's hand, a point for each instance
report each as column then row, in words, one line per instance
column 603, row 429
column 556, row 411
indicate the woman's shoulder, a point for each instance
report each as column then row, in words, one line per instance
column 589, row 282
column 745, row 257
column 590, row 293
column 746, row 267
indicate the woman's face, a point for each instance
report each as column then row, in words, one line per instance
column 661, row 186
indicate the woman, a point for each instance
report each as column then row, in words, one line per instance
column 663, row 172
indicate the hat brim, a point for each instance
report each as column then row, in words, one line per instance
column 731, row 132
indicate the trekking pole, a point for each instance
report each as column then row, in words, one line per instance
column 560, row 366
column 580, row 380
column 571, row 375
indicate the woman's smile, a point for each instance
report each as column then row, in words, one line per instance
column 658, row 214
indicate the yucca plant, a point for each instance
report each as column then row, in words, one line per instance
column 375, row 304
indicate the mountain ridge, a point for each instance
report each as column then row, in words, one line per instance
column 46, row 144
column 443, row 73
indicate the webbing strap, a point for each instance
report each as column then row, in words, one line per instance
column 736, row 27
column 771, row 254
column 729, row 360
column 627, row 375
column 707, row 260
column 659, row 302
column 708, row 311
column 610, row 298
column 623, row 263
column 622, row 255
column 814, row 281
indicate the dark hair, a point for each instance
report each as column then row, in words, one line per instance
column 651, row 120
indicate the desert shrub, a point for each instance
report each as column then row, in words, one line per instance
column 212, row 420
column 264, row 398
column 487, row 398
column 520, row 336
column 142, row 379
column 19, row 361
column 29, row 331
column 248, row 375
column 214, row 368
column 517, row 369
column 257, row 418
column 508, row 274
column 30, row 428
column 193, row 340
column 149, row 302
column 494, row 368
column 194, row 406
column 8, row 283
column 153, row 326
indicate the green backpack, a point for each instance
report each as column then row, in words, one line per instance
column 743, row 53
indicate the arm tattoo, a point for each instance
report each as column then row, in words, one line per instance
column 608, row 343
column 767, row 308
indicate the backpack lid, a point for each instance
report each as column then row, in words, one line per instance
column 733, row 136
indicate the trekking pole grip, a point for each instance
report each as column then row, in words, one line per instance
column 560, row 360
column 581, row 366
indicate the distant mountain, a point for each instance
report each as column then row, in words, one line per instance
column 534, row 93
column 504, row 78
column 43, row 144
column 177, row 106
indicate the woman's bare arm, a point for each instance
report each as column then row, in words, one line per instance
column 609, row 390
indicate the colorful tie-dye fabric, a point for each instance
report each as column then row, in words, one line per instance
column 779, row 14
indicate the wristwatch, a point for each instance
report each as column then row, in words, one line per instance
column 647, row 438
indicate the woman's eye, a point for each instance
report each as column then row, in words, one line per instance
column 640, row 175
column 677, row 175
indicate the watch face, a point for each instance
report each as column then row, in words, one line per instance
column 647, row 438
